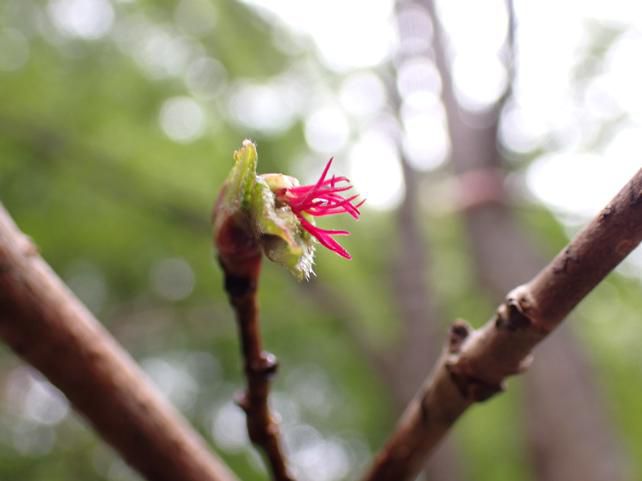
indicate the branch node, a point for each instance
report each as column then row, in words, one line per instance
column 239, row 286
column 469, row 384
column 265, row 366
column 519, row 311
column 470, row 387
column 510, row 318
column 459, row 332
column 606, row 213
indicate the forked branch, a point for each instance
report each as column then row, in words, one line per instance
column 476, row 363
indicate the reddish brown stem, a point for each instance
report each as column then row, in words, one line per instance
column 45, row 324
column 241, row 280
column 476, row 363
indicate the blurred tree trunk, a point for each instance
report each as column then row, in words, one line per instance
column 402, row 369
column 419, row 316
column 419, row 319
column 569, row 436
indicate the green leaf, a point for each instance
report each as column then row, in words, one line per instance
column 241, row 180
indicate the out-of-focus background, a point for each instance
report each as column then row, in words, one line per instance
column 481, row 141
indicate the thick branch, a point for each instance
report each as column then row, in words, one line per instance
column 44, row 323
column 504, row 256
column 260, row 366
column 475, row 364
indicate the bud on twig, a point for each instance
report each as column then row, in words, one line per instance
column 273, row 214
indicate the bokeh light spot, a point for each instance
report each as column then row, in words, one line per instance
column 228, row 428
column 327, row 130
column 205, row 77
column 479, row 80
column 362, row 94
column 182, row 119
column 375, row 170
column 172, row 279
column 86, row 19
column 270, row 108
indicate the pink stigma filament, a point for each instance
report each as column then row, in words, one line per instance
column 321, row 199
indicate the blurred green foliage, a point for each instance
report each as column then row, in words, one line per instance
column 121, row 212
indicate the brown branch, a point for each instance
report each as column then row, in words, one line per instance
column 241, row 282
column 504, row 256
column 45, row 324
column 476, row 363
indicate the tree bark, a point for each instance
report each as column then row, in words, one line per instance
column 476, row 363
column 46, row 325
column 504, row 257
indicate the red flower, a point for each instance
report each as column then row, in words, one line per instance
column 321, row 199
